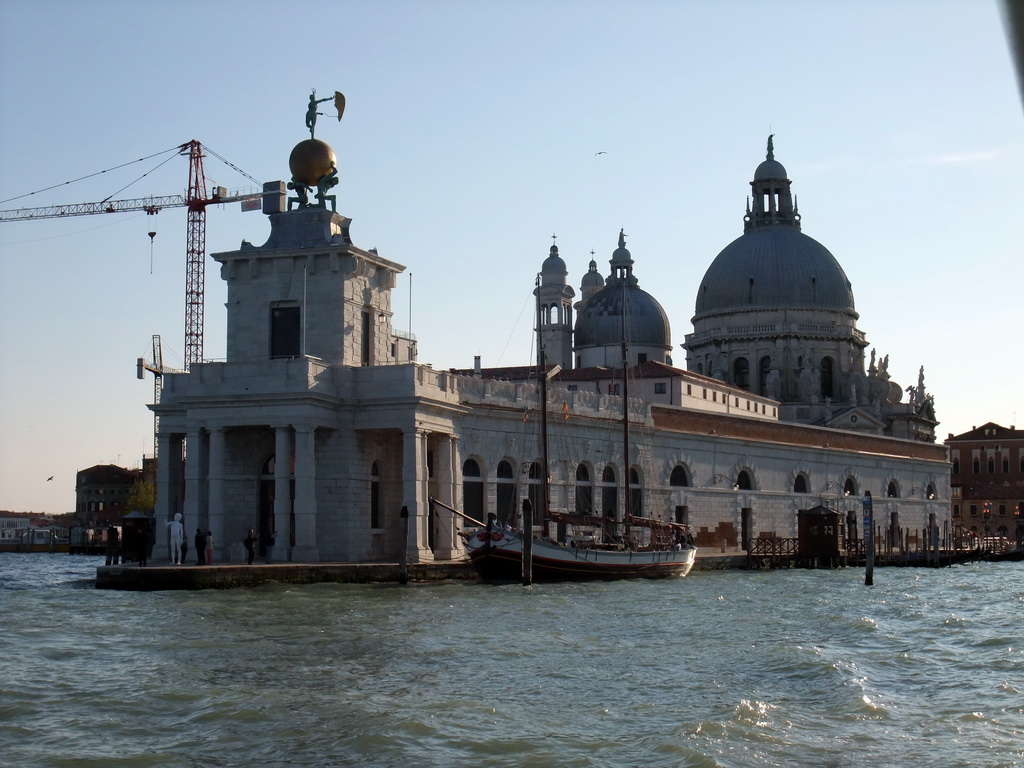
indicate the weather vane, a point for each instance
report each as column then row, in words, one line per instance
column 339, row 103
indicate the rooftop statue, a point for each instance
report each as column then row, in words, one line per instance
column 313, row 163
column 339, row 104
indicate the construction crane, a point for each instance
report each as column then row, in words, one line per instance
column 156, row 367
column 196, row 199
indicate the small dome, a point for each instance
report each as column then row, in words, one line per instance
column 770, row 169
column 599, row 321
column 554, row 264
column 593, row 278
column 774, row 267
column 621, row 257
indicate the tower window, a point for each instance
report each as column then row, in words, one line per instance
column 365, row 339
column 285, row 331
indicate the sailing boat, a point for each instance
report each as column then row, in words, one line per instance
column 497, row 551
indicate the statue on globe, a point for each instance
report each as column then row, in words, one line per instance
column 311, row 113
column 312, row 162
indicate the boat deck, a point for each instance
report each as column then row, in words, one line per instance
column 237, row 575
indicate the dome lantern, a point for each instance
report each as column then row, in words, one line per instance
column 772, row 198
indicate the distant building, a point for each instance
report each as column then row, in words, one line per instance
column 101, row 493
column 322, row 425
column 987, row 481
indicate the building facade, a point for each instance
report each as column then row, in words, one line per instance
column 987, row 481
column 321, row 425
column 102, row 493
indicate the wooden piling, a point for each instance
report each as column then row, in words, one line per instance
column 869, row 541
column 527, row 543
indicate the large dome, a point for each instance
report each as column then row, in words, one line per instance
column 774, row 267
column 599, row 320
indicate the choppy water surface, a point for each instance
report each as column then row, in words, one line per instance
column 788, row 668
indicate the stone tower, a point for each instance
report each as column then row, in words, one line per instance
column 555, row 314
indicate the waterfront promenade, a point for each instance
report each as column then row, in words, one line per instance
column 237, row 575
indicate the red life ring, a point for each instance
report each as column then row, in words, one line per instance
column 497, row 535
column 482, row 536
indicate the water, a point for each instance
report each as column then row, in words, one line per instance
column 787, row 668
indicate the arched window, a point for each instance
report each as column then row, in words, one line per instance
column 977, row 467
column 827, row 389
column 1006, row 464
column 849, row 487
column 374, row 496
column 956, row 466
column 930, row 492
column 741, row 373
column 991, row 465
column 892, row 491
column 679, row 478
column 763, row 369
column 505, row 492
column 800, row 484
column 472, row 491
column 636, row 494
column 584, row 491
column 744, row 481
column 609, row 493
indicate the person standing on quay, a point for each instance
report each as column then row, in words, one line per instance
column 209, row 547
column 113, row 545
column 250, row 545
column 200, row 546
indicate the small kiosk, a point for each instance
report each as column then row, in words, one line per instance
column 821, row 538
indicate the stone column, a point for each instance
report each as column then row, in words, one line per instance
column 414, row 492
column 165, row 467
column 215, row 513
column 193, row 480
column 446, row 546
column 283, row 491
column 306, row 549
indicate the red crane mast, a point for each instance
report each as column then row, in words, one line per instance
column 195, row 254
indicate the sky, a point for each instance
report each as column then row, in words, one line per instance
column 471, row 136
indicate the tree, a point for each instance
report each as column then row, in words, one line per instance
column 141, row 497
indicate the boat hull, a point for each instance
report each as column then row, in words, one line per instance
column 502, row 560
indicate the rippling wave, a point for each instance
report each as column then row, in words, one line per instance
column 722, row 669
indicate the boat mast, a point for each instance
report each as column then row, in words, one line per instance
column 626, row 505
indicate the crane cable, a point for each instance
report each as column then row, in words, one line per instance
column 122, row 189
column 232, row 165
column 89, row 176
column 176, row 150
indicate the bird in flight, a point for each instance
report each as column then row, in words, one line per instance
column 600, row 153
column 49, row 478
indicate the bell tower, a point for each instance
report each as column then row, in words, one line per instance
column 554, row 298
